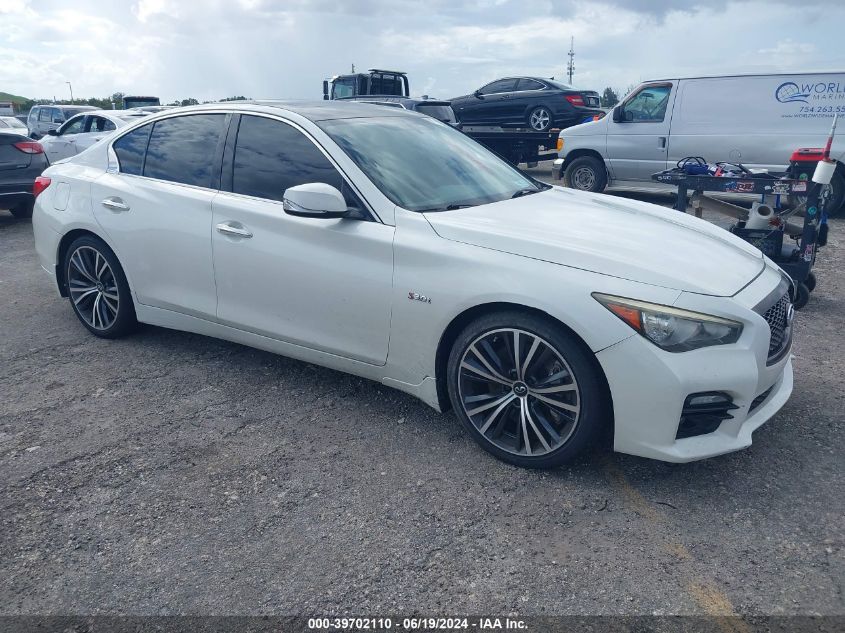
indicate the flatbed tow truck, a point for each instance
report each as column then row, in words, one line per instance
column 516, row 145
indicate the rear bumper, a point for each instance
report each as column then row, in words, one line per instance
column 12, row 195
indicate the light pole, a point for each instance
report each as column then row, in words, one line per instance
column 71, row 91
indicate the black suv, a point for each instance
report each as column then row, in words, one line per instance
column 537, row 103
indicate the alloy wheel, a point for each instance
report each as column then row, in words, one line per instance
column 540, row 119
column 519, row 392
column 93, row 287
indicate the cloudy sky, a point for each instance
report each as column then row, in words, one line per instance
column 283, row 48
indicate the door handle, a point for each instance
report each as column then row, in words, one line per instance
column 661, row 142
column 115, row 204
column 237, row 231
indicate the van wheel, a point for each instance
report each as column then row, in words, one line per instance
column 528, row 392
column 586, row 173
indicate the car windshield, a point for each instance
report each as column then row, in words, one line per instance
column 423, row 165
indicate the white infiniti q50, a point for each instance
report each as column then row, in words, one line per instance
column 386, row 244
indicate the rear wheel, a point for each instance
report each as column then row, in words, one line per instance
column 528, row 392
column 97, row 288
column 586, row 173
column 540, row 119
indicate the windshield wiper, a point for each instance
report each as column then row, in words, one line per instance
column 525, row 192
column 448, row 207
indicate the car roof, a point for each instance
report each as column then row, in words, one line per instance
column 311, row 110
column 63, row 106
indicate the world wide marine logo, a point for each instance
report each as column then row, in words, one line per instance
column 791, row 92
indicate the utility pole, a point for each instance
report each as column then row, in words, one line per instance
column 570, row 67
column 71, row 91
column 353, row 69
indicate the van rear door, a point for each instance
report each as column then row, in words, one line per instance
column 638, row 132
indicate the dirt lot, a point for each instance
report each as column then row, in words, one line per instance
column 172, row 473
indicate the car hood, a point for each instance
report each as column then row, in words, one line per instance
column 612, row 236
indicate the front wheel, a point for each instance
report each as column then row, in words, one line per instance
column 528, row 392
column 97, row 288
column 586, row 173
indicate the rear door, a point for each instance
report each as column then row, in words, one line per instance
column 638, row 144
column 156, row 209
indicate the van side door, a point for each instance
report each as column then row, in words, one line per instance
column 638, row 132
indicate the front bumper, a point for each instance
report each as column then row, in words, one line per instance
column 649, row 385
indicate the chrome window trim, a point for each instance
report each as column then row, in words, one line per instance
column 224, row 111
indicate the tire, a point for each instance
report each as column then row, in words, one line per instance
column 586, row 173
column 802, row 296
column 503, row 407
column 835, row 203
column 810, row 282
column 96, row 282
column 23, row 211
column 540, row 119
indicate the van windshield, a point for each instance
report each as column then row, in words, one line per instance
column 421, row 164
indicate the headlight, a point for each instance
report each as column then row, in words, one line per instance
column 669, row 328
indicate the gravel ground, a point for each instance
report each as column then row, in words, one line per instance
column 169, row 473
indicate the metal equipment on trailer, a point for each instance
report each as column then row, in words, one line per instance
column 805, row 194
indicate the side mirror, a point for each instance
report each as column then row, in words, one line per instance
column 478, row 94
column 325, row 90
column 52, row 132
column 618, row 113
column 314, row 200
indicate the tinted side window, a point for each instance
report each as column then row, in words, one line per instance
column 130, row 149
column 45, row 114
column 502, row 85
column 529, row 84
column 271, row 156
column 183, row 149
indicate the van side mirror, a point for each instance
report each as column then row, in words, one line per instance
column 314, row 200
column 325, row 90
column 618, row 113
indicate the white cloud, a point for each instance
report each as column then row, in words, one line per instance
column 284, row 48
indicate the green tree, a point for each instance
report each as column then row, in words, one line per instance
column 189, row 101
column 609, row 98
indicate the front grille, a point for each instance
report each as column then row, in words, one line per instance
column 779, row 318
column 703, row 413
column 760, row 399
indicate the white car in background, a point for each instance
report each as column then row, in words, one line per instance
column 11, row 122
column 386, row 244
column 80, row 132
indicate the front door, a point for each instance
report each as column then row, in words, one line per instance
column 638, row 144
column 325, row 284
column 156, row 210
column 63, row 145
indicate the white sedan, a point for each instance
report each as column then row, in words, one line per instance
column 80, row 132
column 386, row 244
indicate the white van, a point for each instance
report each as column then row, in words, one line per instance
column 756, row 120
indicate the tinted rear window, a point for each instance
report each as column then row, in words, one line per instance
column 271, row 156
column 182, row 149
column 439, row 112
column 130, row 150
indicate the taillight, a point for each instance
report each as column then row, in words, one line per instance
column 40, row 184
column 576, row 100
column 29, row 147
